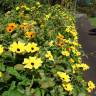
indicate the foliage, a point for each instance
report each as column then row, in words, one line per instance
column 87, row 6
column 40, row 54
column 7, row 5
column 93, row 21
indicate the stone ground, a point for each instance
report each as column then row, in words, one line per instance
column 88, row 43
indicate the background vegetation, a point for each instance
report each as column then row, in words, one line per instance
column 87, row 6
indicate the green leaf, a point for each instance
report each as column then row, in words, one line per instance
column 13, row 91
column 19, row 67
column 12, row 85
column 25, row 82
column 37, row 92
column 2, row 67
column 82, row 94
column 46, row 83
column 6, row 77
column 13, row 71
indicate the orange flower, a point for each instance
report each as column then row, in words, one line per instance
column 60, row 36
column 10, row 27
column 68, row 49
column 24, row 26
column 60, row 40
column 60, row 43
column 30, row 34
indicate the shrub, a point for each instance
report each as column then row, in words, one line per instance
column 6, row 5
column 40, row 54
column 87, row 6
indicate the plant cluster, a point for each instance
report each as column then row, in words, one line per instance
column 40, row 54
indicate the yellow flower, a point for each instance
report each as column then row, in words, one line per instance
column 79, row 66
column 60, row 40
column 17, row 47
column 60, row 36
column 78, row 53
column 74, row 33
column 75, row 43
column 68, row 28
column 91, row 86
column 63, row 76
column 31, row 47
column 84, row 66
column 24, row 26
column 51, row 43
column 1, row 49
column 1, row 74
column 32, row 62
column 75, row 38
column 17, row 8
column 71, row 60
column 65, row 53
column 68, row 87
column 73, row 48
column 49, row 56
column 67, row 41
column 71, row 29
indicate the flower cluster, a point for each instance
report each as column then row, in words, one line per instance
column 11, row 27
column 66, row 81
column 40, row 53
column 72, row 30
column 49, row 55
column 83, row 66
column 26, row 28
column 91, row 86
column 20, row 47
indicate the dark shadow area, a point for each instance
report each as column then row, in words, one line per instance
column 92, row 32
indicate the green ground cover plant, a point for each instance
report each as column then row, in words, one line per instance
column 93, row 21
column 40, row 54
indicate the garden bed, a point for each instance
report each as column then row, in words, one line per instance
column 40, row 53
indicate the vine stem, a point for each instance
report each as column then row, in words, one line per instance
column 31, row 82
column 48, row 2
column 62, row 2
column 75, row 6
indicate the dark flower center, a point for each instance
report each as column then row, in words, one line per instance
column 32, row 63
column 9, row 29
column 18, row 49
column 63, row 78
column 31, row 35
column 32, row 48
column 12, row 26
